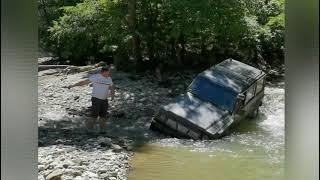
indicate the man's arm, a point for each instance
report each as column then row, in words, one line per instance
column 81, row 83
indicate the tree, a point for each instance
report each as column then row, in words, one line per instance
column 165, row 35
column 132, row 23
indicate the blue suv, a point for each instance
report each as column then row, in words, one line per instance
column 215, row 101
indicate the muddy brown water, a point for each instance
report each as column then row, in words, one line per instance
column 254, row 151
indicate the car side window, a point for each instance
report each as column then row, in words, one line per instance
column 250, row 93
column 260, row 83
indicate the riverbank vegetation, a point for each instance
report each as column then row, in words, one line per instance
column 163, row 35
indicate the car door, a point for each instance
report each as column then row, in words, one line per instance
column 239, row 112
column 253, row 96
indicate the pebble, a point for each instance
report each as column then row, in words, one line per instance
column 41, row 167
column 40, row 177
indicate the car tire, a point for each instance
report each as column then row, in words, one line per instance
column 254, row 114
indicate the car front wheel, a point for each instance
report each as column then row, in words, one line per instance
column 254, row 114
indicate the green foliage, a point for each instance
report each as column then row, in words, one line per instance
column 272, row 38
column 87, row 30
column 277, row 22
column 171, row 33
column 201, row 27
column 48, row 11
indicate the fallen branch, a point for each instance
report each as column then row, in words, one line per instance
column 45, row 67
column 69, row 69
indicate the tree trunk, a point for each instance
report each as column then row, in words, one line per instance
column 150, row 41
column 158, row 73
column 178, row 54
column 45, row 14
column 179, row 47
column 132, row 22
column 183, row 47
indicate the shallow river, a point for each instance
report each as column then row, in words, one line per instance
column 254, row 151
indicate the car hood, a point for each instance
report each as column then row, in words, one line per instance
column 196, row 111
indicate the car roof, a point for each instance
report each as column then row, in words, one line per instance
column 232, row 74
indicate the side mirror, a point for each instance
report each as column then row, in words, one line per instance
column 241, row 97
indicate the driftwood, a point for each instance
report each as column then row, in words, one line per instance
column 81, row 68
column 68, row 69
column 77, row 69
column 45, row 67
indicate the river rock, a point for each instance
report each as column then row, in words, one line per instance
column 73, row 172
column 40, row 177
column 116, row 148
column 55, row 175
column 104, row 141
column 81, row 178
column 90, row 174
column 41, row 167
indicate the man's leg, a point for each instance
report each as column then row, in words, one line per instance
column 94, row 114
column 103, row 114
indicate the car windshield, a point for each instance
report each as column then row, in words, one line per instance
column 214, row 93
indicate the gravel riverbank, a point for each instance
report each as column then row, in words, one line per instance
column 67, row 152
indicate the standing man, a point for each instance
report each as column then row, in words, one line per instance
column 102, row 88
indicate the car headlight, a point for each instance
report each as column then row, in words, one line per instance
column 162, row 116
